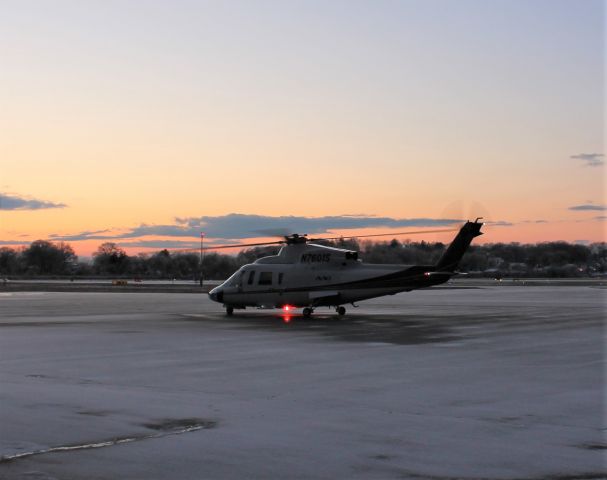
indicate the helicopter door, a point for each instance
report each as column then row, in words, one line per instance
column 250, row 279
column 265, row 280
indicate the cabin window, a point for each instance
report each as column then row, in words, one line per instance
column 265, row 278
column 280, row 275
column 251, row 277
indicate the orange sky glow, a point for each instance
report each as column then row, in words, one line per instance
column 398, row 110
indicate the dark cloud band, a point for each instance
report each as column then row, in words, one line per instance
column 13, row 202
column 588, row 208
column 14, row 242
column 237, row 226
column 590, row 159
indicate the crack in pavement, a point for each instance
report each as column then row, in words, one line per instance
column 169, row 427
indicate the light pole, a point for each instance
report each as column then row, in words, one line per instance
column 201, row 255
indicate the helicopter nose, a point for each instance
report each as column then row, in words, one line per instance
column 216, row 295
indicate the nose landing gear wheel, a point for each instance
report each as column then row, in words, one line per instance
column 307, row 312
column 340, row 311
column 229, row 311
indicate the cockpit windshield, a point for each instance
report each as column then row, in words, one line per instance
column 236, row 279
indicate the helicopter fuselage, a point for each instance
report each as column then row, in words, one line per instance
column 308, row 275
column 312, row 275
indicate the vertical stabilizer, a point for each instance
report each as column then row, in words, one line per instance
column 451, row 258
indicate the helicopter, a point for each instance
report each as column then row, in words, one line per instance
column 307, row 275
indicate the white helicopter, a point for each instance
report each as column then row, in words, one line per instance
column 304, row 274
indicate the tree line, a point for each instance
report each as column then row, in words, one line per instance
column 549, row 259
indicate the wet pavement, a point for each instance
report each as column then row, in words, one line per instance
column 495, row 382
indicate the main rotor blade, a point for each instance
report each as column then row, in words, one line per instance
column 219, row 247
column 238, row 245
column 417, row 232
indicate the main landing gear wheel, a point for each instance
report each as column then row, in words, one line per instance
column 307, row 312
column 341, row 311
column 229, row 311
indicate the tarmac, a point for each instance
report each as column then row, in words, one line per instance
column 458, row 383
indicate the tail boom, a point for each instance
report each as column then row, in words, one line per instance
column 451, row 258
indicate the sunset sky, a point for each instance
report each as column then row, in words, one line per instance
column 147, row 122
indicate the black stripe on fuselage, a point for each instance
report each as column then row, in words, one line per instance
column 412, row 277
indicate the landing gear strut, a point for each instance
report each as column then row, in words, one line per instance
column 229, row 311
column 341, row 311
column 307, row 312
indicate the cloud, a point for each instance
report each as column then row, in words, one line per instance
column 14, row 242
column 601, row 217
column 235, row 226
column 13, row 202
column 86, row 235
column 500, row 223
column 588, row 207
column 136, row 232
column 590, row 159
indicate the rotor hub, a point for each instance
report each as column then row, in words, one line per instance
column 296, row 239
